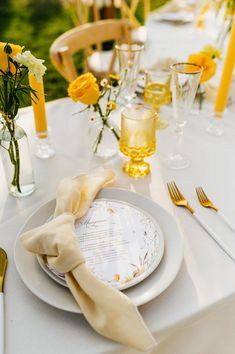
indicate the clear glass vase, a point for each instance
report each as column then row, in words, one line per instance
column 16, row 159
column 103, row 136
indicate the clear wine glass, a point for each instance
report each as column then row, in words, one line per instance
column 157, row 92
column 129, row 59
column 185, row 81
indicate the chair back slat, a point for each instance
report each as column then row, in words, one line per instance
column 83, row 38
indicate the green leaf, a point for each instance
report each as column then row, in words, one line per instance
column 7, row 49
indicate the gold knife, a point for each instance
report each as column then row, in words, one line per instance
column 3, row 267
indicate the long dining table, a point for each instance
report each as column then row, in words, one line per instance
column 195, row 314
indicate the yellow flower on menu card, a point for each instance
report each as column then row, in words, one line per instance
column 206, row 61
column 84, row 89
column 15, row 49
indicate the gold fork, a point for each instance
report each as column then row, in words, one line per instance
column 179, row 200
column 207, row 203
column 204, row 200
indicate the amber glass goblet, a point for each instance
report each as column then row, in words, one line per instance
column 138, row 125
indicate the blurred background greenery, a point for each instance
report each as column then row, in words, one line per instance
column 35, row 24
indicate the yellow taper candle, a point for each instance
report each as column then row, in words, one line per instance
column 226, row 77
column 39, row 106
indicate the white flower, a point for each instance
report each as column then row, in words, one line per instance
column 104, row 82
column 34, row 65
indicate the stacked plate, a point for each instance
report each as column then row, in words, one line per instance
column 128, row 241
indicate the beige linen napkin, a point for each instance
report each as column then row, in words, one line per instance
column 110, row 312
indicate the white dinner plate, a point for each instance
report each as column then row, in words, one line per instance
column 56, row 295
column 122, row 244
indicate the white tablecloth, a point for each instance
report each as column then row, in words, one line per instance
column 196, row 314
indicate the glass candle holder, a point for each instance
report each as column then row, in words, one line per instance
column 138, row 125
column 44, row 149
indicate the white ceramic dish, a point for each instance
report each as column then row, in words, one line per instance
column 122, row 244
column 59, row 297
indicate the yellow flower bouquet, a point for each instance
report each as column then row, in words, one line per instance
column 101, row 97
column 15, row 65
column 206, row 59
column 219, row 14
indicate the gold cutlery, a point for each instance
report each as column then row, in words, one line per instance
column 179, row 200
column 3, row 267
column 207, row 203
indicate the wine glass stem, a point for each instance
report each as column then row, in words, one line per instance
column 179, row 132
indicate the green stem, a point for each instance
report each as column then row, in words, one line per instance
column 99, row 138
column 14, row 155
column 17, row 166
column 98, row 108
column 112, row 129
column 105, row 122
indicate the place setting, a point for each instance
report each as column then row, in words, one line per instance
column 120, row 245
column 144, row 135
column 133, row 249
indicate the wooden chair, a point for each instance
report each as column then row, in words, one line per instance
column 83, row 38
column 129, row 8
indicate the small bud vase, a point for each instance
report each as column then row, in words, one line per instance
column 103, row 136
column 16, row 159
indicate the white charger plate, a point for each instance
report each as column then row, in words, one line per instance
column 59, row 297
column 122, row 244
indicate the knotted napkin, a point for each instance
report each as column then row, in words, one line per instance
column 109, row 312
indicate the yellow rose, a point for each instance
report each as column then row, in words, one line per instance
column 84, row 89
column 3, row 56
column 206, row 62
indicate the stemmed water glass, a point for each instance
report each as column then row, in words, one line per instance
column 129, row 58
column 157, row 92
column 185, row 81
